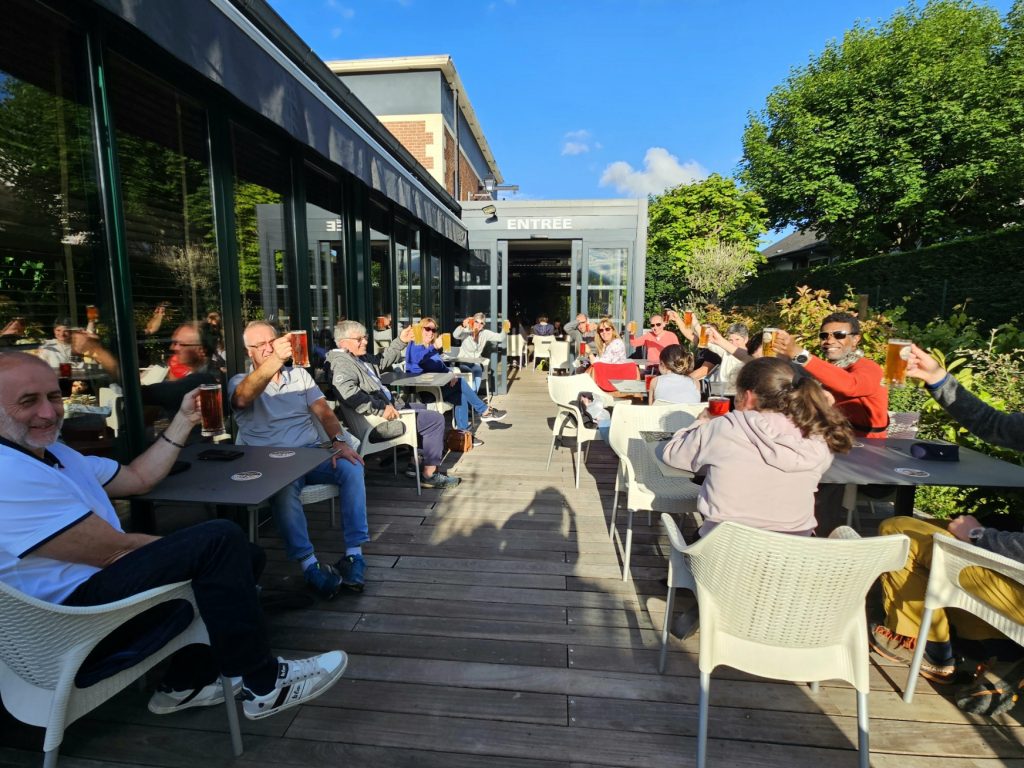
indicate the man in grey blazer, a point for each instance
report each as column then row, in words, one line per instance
column 357, row 382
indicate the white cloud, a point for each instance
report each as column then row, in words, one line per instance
column 342, row 10
column 578, row 142
column 661, row 171
column 335, row 33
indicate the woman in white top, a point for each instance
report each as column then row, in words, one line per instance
column 610, row 348
column 674, row 385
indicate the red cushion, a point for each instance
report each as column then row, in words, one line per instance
column 604, row 373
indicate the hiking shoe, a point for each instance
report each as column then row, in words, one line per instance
column 352, row 569
column 439, row 480
column 990, row 693
column 164, row 701
column 297, row 682
column 493, row 414
column 889, row 645
column 323, row 580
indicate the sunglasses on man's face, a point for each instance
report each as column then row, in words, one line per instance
column 837, row 335
column 656, row 325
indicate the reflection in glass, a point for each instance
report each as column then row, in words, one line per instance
column 162, row 155
column 51, row 263
column 380, row 260
column 407, row 268
column 471, row 283
column 261, row 181
column 606, row 284
column 326, row 261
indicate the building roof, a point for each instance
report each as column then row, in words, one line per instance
column 441, row 62
column 805, row 240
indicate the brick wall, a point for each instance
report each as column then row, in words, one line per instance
column 449, row 162
column 468, row 180
column 415, row 137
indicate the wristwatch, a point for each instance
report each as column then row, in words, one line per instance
column 338, row 438
column 802, row 357
column 975, row 534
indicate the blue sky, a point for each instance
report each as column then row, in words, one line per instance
column 598, row 98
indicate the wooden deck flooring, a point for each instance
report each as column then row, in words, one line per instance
column 495, row 631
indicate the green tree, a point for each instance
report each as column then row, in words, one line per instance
column 900, row 135
column 693, row 217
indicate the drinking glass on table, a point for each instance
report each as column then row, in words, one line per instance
column 211, row 409
column 897, row 353
column 300, row 349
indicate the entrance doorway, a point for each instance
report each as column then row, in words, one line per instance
column 540, row 280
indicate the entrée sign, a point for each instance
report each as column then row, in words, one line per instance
column 547, row 223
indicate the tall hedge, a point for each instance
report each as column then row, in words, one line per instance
column 988, row 270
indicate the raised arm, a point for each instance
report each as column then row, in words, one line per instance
column 252, row 386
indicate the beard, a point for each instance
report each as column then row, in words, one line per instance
column 20, row 434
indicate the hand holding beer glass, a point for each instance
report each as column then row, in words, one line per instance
column 300, row 349
column 417, row 332
column 897, row 353
column 211, row 409
column 769, row 336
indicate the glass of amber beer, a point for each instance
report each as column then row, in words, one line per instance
column 768, row 342
column 702, row 342
column 632, row 327
column 300, row 350
column 688, row 318
column 897, row 352
column 211, row 409
column 718, row 405
column 506, row 326
column 446, row 343
column 417, row 332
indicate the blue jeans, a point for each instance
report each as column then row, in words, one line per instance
column 462, row 397
column 477, row 372
column 290, row 517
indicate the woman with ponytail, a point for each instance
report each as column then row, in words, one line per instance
column 763, row 461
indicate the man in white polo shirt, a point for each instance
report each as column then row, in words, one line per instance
column 276, row 404
column 61, row 541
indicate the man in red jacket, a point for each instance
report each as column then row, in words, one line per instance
column 852, row 379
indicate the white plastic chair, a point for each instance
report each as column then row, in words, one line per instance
column 558, row 355
column 949, row 558
column 679, row 576
column 516, row 346
column 542, row 349
column 362, row 426
column 43, row 646
column 563, row 391
column 787, row 607
column 638, row 474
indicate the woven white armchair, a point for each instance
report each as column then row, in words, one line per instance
column 362, row 426
column 787, row 607
column 949, row 558
column 638, row 474
column 563, row 391
column 43, row 645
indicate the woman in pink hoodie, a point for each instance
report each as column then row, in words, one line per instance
column 763, row 461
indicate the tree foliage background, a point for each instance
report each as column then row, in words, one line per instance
column 900, row 135
column 697, row 217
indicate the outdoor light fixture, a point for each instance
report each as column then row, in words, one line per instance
column 489, row 210
column 489, row 185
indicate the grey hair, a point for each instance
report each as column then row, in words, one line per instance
column 257, row 324
column 13, row 359
column 348, row 329
column 739, row 329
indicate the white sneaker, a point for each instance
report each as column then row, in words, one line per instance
column 298, row 681
column 164, row 701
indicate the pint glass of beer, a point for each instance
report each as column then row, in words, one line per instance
column 897, row 352
column 768, row 342
column 583, row 349
column 648, row 381
column 92, row 313
column 300, row 350
column 64, row 379
column 702, row 342
column 446, row 342
column 632, row 327
column 211, row 409
column 688, row 318
column 417, row 333
column 718, row 405
column 506, row 326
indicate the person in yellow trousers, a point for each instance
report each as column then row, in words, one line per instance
column 996, row 687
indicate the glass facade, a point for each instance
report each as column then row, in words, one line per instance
column 184, row 214
column 607, row 278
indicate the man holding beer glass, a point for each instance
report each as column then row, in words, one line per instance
column 852, row 379
column 275, row 405
column 655, row 339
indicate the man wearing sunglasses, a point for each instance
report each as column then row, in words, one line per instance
column 852, row 379
column 655, row 340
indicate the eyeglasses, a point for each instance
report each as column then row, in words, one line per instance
column 837, row 335
column 267, row 343
column 429, row 329
column 605, row 330
column 358, row 338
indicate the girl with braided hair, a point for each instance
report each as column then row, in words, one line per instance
column 763, row 461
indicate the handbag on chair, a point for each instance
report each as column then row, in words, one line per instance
column 458, row 440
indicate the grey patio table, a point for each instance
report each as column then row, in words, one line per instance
column 629, row 386
column 246, row 481
column 424, row 380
